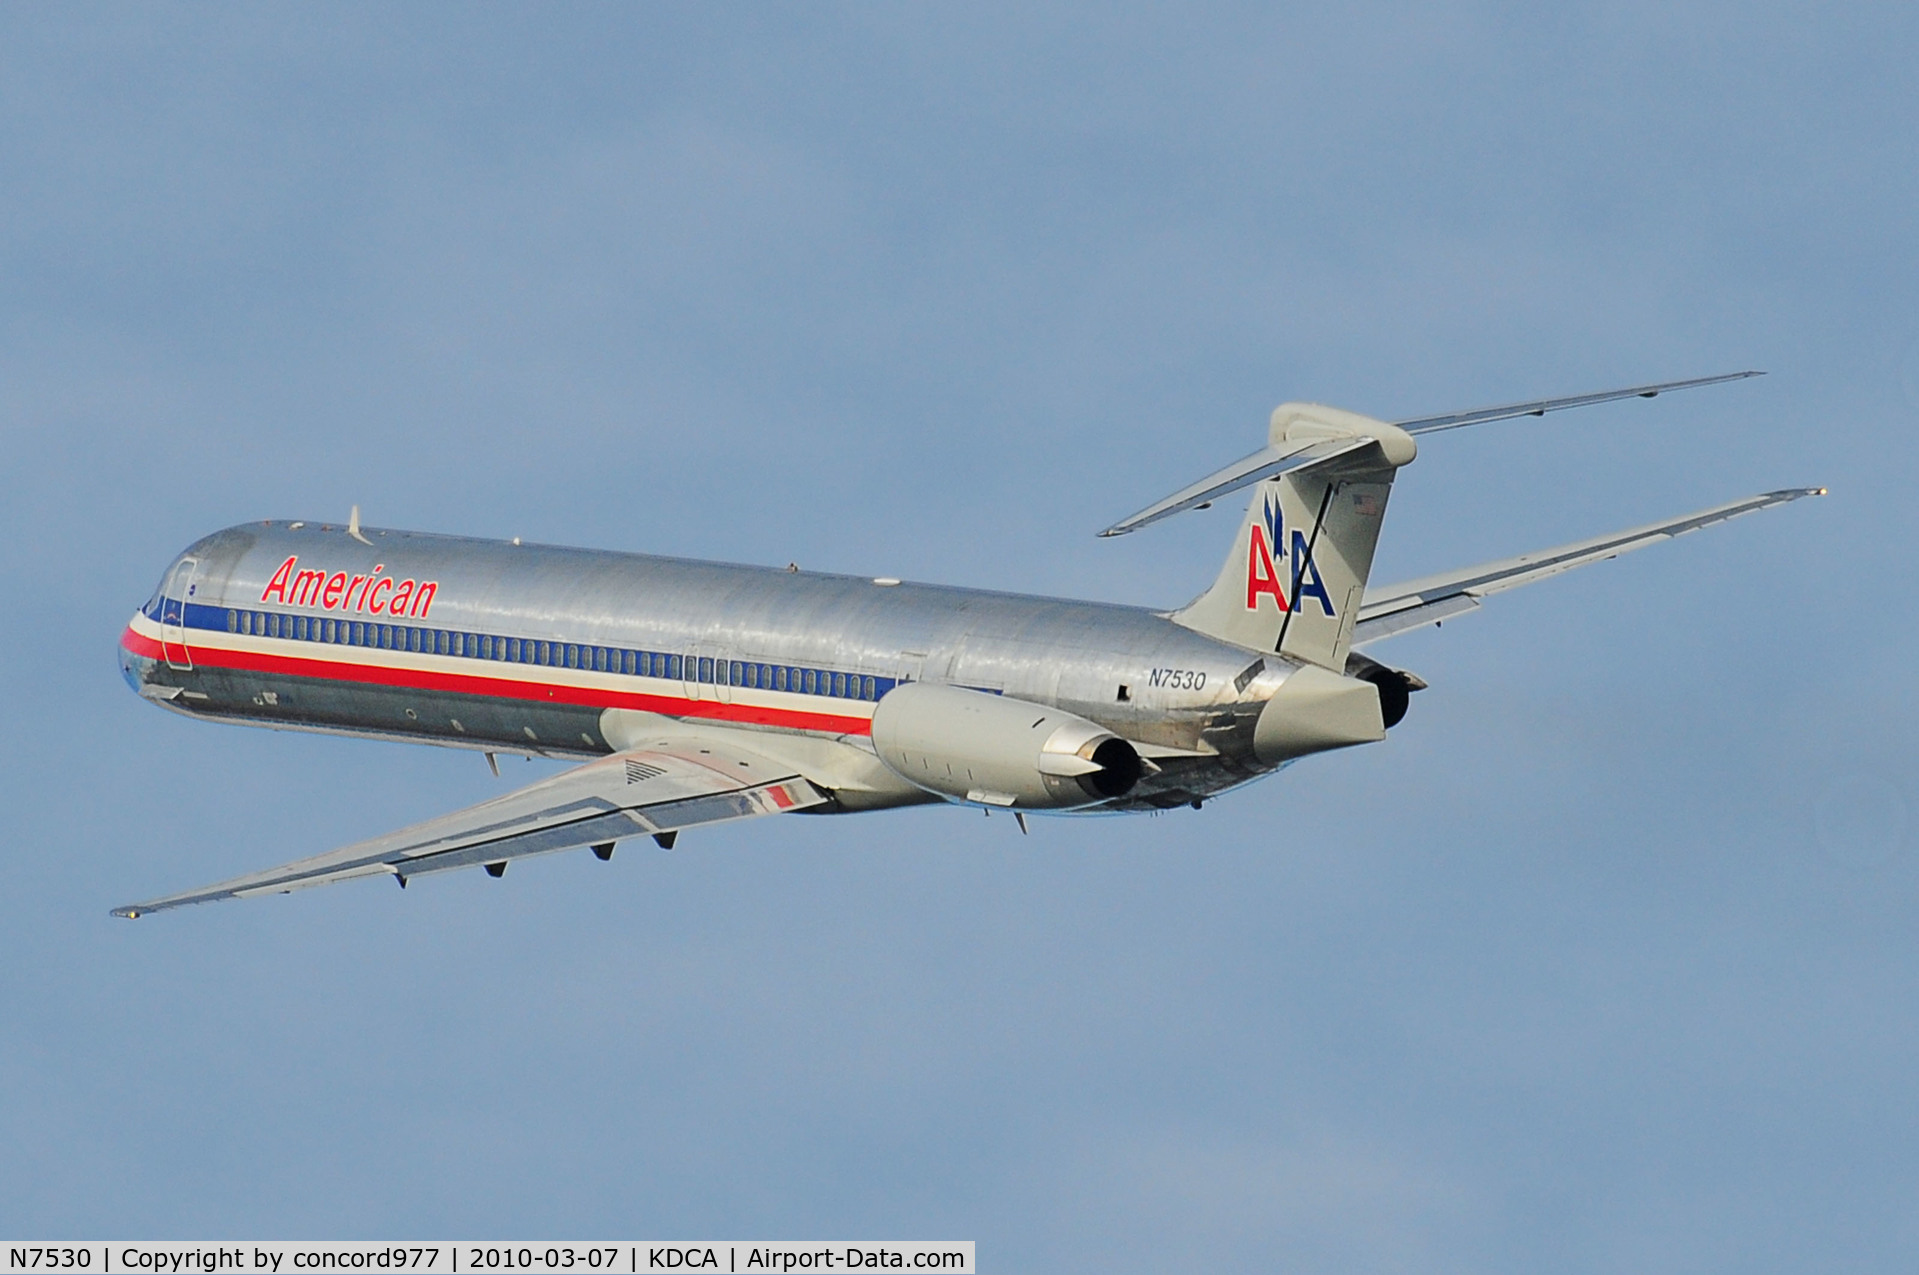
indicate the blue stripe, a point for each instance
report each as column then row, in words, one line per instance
column 491, row 648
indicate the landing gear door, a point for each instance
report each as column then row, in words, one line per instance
column 173, row 615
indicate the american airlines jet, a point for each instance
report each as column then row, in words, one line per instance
column 700, row 692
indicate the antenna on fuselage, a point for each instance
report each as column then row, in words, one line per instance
column 353, row 527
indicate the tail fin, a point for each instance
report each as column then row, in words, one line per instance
column 1296, row 575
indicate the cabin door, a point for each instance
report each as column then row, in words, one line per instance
column 706, row 674
column 173, row 615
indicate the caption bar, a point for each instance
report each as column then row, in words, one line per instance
column 445, row 1257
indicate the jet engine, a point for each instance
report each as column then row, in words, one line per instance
column 975, row 746
column 1396, row 686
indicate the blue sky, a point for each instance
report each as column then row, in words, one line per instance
column 1605, row 961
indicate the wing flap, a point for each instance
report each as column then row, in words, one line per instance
column 641, row 791
column 1417, row 603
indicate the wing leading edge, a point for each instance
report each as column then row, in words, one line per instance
column 1417, row 603
column 645, row 791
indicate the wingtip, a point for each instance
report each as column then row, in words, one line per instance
column 130, row 914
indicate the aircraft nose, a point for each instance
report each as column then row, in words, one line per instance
column 130, row 667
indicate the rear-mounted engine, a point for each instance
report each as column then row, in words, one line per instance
column 973, row 746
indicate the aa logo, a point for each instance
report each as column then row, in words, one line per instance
column 1268, row 546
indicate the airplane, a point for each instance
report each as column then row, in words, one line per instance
column 696, row 693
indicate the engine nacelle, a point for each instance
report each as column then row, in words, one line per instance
column 1396, row 685
column 1000, row 751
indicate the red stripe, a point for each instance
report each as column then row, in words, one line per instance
column 140, row 644
column 504, row 688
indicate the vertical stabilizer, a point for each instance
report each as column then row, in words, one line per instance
column 1296, row 575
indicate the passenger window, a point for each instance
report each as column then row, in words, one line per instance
column 806, row 677
column 233, row 621
column 869, row 689
column 706, row 669
column 839, row 685
column 779, row 677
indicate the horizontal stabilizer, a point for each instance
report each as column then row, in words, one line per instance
column 1268, row 462
column 652, row 791
column 1417, row 603
column 1304, row 433
column 1539, row 407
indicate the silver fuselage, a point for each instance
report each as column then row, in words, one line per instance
column 529, row 649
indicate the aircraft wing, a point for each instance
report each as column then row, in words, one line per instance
column 644, row 791
column 1417, row 603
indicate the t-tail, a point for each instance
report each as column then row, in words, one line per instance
column 1295, row 578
